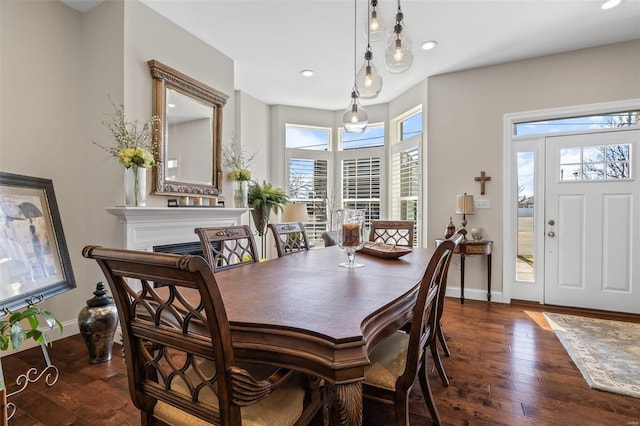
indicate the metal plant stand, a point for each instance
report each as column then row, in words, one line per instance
column 50, row 374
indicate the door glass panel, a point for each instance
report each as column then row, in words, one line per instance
column 526, row 187
column 591, row 162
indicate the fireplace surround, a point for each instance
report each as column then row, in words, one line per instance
column 147, row 227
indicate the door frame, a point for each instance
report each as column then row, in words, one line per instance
column 510, row 190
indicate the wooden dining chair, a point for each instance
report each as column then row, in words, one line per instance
column 396, row 232
column 330, row 238
column 228, row 247
column 397, row 360
column 179, row 355
column 290, row 237
column 444, row 272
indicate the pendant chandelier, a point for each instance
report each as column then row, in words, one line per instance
column 399, row 53
column 355, row 118
column 368, row 78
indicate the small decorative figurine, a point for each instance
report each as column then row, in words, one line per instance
column 451, row 229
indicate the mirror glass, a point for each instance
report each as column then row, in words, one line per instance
column 189, row 151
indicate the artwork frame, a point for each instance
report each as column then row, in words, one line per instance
column 34, row 259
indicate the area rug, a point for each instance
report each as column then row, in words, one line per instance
column 607, row 353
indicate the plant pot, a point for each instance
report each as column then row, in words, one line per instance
column 260, row 218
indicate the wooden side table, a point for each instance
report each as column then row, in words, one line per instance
column 471, row 248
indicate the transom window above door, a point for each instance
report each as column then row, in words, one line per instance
column 576, row 124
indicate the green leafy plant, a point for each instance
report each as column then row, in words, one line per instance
column 265, row 199
column 12, row 330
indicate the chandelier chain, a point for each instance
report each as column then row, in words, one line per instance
column 355, row 44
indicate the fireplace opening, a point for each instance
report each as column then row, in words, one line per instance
column 193, row 248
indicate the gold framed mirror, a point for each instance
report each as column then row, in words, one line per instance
column 189, row 151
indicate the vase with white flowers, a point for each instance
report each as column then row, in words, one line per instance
column 237, row 159
column 135, row 146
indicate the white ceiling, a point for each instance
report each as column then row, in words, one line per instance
column 271, row 41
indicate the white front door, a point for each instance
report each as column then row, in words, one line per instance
column 592, row 221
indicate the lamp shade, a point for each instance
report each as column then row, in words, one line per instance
column 465, row 204
column 295, row 213
column 368, row 79
column 355, row 118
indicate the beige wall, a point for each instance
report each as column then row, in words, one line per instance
column 58, row 66
column 42, row 114
column 58, row 69
column 252, row 132
column 465, row 128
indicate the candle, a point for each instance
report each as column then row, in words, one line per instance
column 350, row 235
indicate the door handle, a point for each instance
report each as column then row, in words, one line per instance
column 551, row 234
column 552, row 222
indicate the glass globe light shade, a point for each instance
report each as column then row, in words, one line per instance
column 368, row 79
column 377, row 27
column 355, row 118
column 398, row 55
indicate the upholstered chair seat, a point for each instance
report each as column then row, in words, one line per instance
column 283, row 407
column 388, row 361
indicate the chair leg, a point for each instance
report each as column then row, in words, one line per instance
column 445, row 348
column 426, row 392
column 402, row 409
column 438, row 362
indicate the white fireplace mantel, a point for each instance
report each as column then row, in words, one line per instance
column 145, row 227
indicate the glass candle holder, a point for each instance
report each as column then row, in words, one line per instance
column 350, row 235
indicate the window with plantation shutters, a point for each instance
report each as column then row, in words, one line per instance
column 308, row 183
column 308, row 161
column 356, row 171
column 405, row 171
column 361, row 161
column 405, row 186
column 361, row 186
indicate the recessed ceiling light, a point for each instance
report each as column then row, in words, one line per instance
column 428, row 45
column 610, row 4
column 307, row 73
column 171, row 105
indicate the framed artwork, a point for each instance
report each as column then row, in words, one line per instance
column 34, row 260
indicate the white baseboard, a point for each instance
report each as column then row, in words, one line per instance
column 474, row 294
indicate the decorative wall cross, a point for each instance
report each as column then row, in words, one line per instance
column 482, row 179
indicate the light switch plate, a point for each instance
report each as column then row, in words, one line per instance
column 483, row 204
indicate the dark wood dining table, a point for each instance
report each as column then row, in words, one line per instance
column 305, row 312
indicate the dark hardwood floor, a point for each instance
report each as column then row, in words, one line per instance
column 506, row 368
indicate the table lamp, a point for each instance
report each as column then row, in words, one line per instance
column 464, row 206
column 295, row 212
